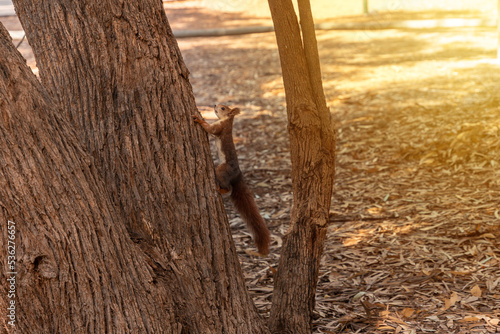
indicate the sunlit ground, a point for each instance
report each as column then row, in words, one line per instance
column 414, row 234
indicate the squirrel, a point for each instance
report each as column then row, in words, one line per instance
column 229, row 178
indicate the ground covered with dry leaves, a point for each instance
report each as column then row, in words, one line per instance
column 413, row 244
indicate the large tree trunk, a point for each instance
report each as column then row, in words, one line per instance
column 75, row 263
column 119, row 225
column 312, row 147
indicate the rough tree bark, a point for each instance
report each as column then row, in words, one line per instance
column 312, row 147
column 120, row 229
column 75, row 263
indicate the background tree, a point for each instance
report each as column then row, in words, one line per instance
column 312, row 147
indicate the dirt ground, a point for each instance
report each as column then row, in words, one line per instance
column 413, row 244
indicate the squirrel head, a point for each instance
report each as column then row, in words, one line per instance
column 223, row 111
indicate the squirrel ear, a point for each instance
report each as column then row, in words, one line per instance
column 235, row 111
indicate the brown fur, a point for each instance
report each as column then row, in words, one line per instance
column 245, row 204
column 230, row 179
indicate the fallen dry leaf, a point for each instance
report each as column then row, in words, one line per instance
column 407, row 312
column 450, row 301
column 476, row 291
column 469, row 319
column 494, row 322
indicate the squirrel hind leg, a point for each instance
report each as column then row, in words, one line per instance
column 223, row 179
column 224, row 191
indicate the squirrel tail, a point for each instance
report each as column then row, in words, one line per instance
column 244, row 203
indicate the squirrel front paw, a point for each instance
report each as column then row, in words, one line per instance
column 197, row 119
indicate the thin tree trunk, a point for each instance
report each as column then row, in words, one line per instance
column 312, row 56
column 312, row 146
column 115, row 73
